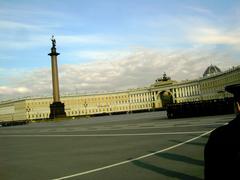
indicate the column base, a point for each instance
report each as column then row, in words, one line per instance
column 57, row 110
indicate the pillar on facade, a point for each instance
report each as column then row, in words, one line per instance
column 194, row 90
column 191, row 90
column 177, row 93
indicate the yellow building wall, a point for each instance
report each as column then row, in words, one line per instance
column 12, row 111
column 20, row 110
column 96, row 104
column 7, row 111
column 38, row 108
column 126, row 101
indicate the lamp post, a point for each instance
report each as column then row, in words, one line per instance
column 85, row 106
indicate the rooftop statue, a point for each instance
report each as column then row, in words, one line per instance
column 164, row 78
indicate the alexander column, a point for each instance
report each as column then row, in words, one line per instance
column 56, row 108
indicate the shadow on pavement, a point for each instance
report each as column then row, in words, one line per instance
column 191, row 143
column 164, row 171
column 181, row 158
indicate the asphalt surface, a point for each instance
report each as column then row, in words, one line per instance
column 143, row 146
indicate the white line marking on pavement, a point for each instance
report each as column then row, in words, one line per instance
column 157, row 126
column 99, row 128
column 100, row 135
column 135, row 159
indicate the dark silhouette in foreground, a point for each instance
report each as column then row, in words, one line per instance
column 222, row 151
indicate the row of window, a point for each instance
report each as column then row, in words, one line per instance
column 38, row 103
column 93, row 99
column 38, row 116
column 123, row 102
column 91, row 111
column 121, row 99
column 221, row 81
column 207, row 87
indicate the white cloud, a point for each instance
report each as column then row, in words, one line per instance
column 31, row 40
column 99, row 55
column 86, row 39
column 12, row 25
column 4, row 90
column 138, row 69
column 199, row 9
column 213, row 35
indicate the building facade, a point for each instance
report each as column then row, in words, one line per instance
column 156, row 96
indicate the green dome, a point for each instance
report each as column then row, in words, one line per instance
column 211, row 70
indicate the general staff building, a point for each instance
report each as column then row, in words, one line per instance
column 156, row 96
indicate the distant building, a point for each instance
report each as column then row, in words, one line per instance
column 156, row 96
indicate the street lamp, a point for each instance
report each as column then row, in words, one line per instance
column 85, row 105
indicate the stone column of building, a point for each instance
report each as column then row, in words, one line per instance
column 191, row 90
column 183, row 91
column 186, row 91
column 177, row 93
column 194, row 90
column 56, row 108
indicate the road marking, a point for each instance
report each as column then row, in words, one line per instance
column 101, row 135
column 154, row 126
column 129, row 161
column 101, row 128
column 157, row 126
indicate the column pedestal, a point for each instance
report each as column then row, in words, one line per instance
column 57, row 110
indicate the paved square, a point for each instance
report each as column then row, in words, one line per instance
column 145, row 146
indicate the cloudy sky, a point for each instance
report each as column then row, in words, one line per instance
column 108, row 45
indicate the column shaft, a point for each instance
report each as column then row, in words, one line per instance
column 55, row 82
